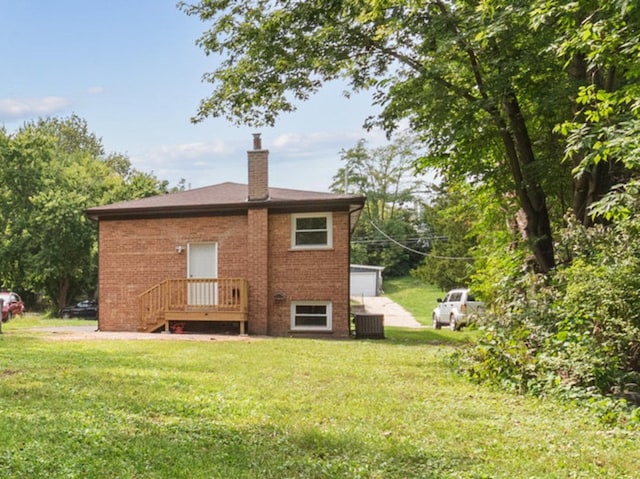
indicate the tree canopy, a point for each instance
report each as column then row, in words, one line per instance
column 533, row 104
column 389, row 231
column 449, row 218
column 53, row 169
column 483, row 82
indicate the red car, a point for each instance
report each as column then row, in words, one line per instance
column 12, row 305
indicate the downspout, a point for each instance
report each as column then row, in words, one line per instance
column 352, row 226
column 97, row 221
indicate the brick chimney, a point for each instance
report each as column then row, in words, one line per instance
column 258, row 166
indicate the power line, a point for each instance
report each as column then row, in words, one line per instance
column 422, row 253
column 417, row 239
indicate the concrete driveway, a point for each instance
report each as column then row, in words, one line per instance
column 394, row 314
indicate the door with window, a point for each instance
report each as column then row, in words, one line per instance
column 203, row 268
column 448, row 305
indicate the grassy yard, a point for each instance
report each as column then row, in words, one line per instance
column 280, row 408
column 416, row 297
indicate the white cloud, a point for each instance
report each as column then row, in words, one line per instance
column 187, row 151
column 26, row 108
column 305, row 161
column 199, row 163
column 309, row 143
column 95, row 90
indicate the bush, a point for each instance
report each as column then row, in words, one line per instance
column 576, row 331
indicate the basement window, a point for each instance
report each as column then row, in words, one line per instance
column 311, row 316
column 311, row 231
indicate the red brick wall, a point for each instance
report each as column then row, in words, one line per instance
column 137, row 254
column 308, row 275
column 258, row 262
column 258, row 167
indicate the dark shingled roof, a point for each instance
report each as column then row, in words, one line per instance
column 223, row 198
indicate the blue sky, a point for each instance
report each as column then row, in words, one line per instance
column 132, row 70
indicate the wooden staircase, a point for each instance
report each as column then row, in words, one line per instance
column 201, row 299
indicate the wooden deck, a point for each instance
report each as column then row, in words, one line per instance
column 202, row 299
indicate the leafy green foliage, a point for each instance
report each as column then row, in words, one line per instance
column 450, row 217
column 54, row 169
column 387, row 233
column 576, row 333
column 602, row 42
column 472, row 80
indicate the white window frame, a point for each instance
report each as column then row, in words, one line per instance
column 326, row 327
column 329, row 230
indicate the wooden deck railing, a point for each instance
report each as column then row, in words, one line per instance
column 212, row 299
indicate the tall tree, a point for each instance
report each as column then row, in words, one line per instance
column 387, row 234
column 451, row 216
column 54, row 169
column 601, row 44
column 468, row 75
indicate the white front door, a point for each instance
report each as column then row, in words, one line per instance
column 203, row 263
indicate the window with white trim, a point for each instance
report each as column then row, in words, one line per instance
column 311, row 316
column 311, row 231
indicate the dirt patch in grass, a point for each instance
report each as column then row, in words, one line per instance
column 81, row 333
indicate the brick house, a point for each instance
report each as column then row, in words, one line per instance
column 275, row 260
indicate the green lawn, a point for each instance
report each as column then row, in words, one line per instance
column 415, row 296
column 280, row 408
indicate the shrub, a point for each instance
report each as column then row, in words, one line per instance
column 575, row 331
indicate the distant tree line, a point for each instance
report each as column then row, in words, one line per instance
column 389, row 232
column 52, row 170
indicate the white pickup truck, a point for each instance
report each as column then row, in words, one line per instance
column 454, row 308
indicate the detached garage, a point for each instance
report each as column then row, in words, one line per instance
column 365, row 280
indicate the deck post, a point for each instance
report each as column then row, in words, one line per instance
column 169, row 301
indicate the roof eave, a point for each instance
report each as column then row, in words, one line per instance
column 348, row 203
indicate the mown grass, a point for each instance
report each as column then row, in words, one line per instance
column 280, row 408
column 414, row 295
column 36, row 320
